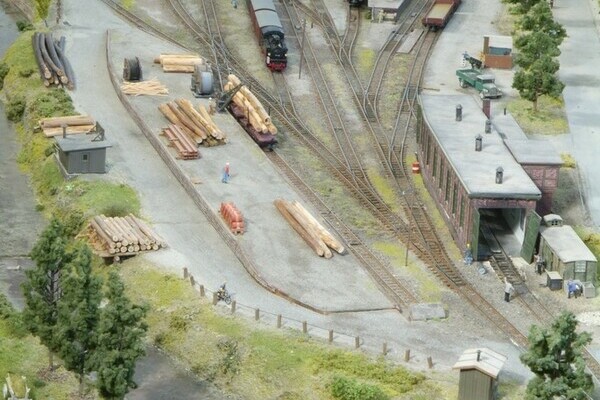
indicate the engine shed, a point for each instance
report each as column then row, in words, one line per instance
column 476, row 180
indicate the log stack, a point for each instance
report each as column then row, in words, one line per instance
column 53, row 65
column 186, row 148
column 245, row 100
column 233, row 217
column 179, row 62
column 74, row 124
column 122, row 236
column 313, row 233
column 196, row 123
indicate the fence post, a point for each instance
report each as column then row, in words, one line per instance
column 384, row 350
column 279, row 321
column 185, row 273
column 304, row 327
column 192, row 280
column 331, row 336
column 202, row 294
column 429, row 362
column 407, row 355
column 215, row 298
column 233, row 304
column 357, row 342
column 257, row 314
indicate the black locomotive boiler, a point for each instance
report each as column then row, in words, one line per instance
column 269, row 32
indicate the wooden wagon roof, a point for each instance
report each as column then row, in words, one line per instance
column 490, row 362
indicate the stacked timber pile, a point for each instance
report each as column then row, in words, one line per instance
column 179, row 62
column 196, row 123
column 233, row 217
column 152, row 87
column 73, row 123
column 248, row 105
column 122, row 235
column 186, row 148
column 52, row 62
column 313, row 233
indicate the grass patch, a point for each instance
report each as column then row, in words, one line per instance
column 568, row 160
column 255, row 362
column 550, row 119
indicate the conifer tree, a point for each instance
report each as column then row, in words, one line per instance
column 79, row 314
column 42, row 289
column 120, row 342
column 555, row 357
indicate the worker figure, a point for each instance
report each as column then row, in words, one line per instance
column 539, row 264
column 380, row 16
column 508, row 290
column 225, row 178
column 551, row 3
column 468, row 255
column 234, row 3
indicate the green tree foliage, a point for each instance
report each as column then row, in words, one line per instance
column 555, row 357
column 540, row 19
column 42, row 288
column 532, row 46
column 522, row 6
column 42, row 7
column 79, row 315
column 120, row 341
column 539, row 79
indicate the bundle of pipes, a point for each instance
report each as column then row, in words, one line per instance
column 245, row 99
column 313, row 233
column 114, row 235
column 178, row 62
column 73, row 124
column 52, row 62
column 196, row 123
column 186, row 149
column 152, row 87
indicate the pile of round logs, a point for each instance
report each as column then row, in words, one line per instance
column 313, row 233
column 196, row 123
column 73, row 124
column 233, row 217
column 52, row 62
column 251, row 106
column 179, row 62
column 122, row 235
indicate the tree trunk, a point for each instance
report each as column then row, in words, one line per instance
column 50, row 359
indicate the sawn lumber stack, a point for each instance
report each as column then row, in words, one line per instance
column 73, row 123
column 196, row 123
column 313, row 233
column 179, row 62
column 122, row 235
column 186, row 148
column 151, row 87
column 253, row 108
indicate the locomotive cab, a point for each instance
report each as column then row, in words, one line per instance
column 276, row 52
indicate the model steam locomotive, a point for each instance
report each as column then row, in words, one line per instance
column 269, row 32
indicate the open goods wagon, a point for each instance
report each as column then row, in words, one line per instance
column 440, row 13
column 269, row 31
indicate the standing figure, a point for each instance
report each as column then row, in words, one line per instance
column 508, row 289
column 234, row 3
column 225, row 178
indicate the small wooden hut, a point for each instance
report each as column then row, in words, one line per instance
column 479, row 370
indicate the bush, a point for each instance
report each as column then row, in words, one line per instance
column 349, row 389
column 15, row 109
column 4, row 68
column 23, row 26
column 51, row 103
column 568, row 160
column 26, row 73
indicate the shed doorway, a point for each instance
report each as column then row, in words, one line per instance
column 500, row 230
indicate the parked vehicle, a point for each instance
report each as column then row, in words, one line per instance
column 484, row 83
column 440, row 13
column 269, row 32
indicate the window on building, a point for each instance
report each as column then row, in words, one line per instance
column 435, row 159
column 84, row 157
column 461, row 213
column 447, row 185
column 454, row 199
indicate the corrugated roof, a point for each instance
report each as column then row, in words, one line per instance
column 80, row 142
column 475, row 169
column 567, row 245
column 490, row 362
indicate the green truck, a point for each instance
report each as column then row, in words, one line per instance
column 484, row 83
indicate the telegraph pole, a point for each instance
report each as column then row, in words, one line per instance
column 302, row 47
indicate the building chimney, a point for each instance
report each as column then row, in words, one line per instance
column 478, row 144
column 486, row 107
column 488, row 126
column 64, row 129
column 499, row 175
column 458, row 112
column 478, row 355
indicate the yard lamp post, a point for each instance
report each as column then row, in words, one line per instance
column 302, row 47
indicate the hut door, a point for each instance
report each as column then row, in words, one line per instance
column 475, row 234
column 85, row 162
column 532, row 229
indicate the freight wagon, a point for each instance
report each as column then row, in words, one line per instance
column 269, row 32
column 440, row 13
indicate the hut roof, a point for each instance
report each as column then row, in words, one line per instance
column 80, row 143
column 490, row 362
column 567, row 245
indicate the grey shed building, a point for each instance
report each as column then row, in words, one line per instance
column 479, row 370
column 565, row 252
column 79, row 154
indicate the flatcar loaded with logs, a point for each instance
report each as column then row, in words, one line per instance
column 269, row 32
